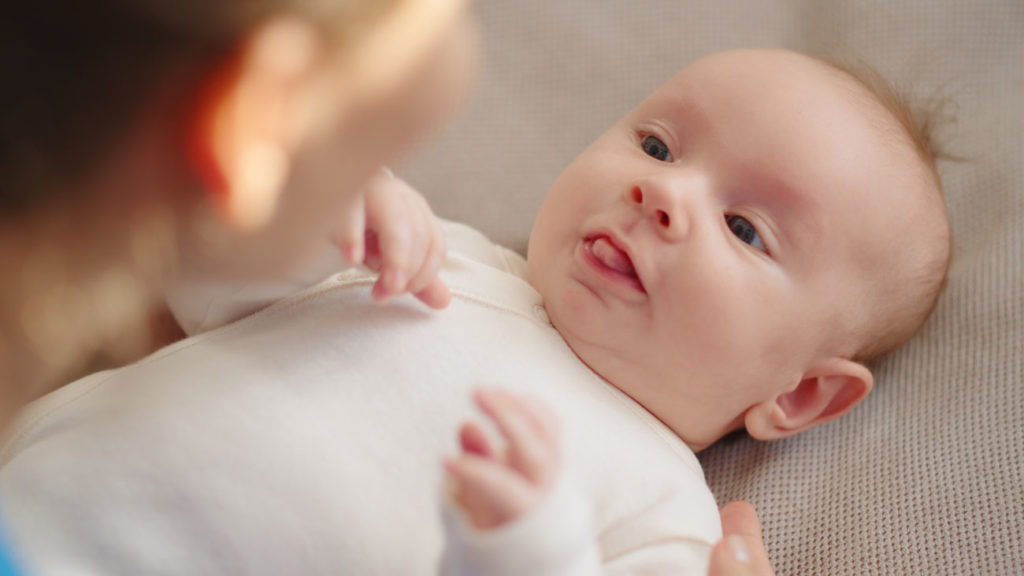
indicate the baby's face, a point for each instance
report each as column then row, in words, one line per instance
column 716, row 243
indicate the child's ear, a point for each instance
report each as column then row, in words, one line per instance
column 242, row 130
column 285, row 86
column 828, row 391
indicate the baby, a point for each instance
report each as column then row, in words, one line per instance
column 731, row 255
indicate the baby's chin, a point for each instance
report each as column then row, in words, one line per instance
column 579, row 338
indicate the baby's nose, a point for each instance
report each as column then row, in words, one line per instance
column 660, row 215
column 662, row 204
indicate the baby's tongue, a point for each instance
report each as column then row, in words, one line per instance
column 612, row 257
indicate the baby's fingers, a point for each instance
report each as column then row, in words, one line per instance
column 394, row 244
column 349, row 233
column 436, row 294
column 488, row 493
column 395, row 213
column 473, row 440
column 424, row 282
column 530, row 430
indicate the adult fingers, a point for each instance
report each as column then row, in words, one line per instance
column 741, row 551
column 740, row 518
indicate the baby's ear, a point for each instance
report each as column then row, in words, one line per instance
column 242, row 129
column 829, row 390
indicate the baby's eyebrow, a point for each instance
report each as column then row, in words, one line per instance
column 792, row 209
column 687, row 111
column 796, row 215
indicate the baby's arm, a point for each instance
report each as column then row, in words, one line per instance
column 514, row 510
column 517, row 512
column 389, row 227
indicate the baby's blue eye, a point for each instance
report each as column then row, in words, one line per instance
column 745, row 231
column 655, row 148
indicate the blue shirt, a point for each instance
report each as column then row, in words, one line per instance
column 6, row 561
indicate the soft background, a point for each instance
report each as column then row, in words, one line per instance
column 926, row 477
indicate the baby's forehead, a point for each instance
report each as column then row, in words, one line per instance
column 796, row 117
column 753, row 73
column 809, row 82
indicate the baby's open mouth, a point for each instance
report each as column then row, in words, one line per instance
column 613, row 259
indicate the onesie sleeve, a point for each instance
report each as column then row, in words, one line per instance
column 558, row 539
column 555, row 539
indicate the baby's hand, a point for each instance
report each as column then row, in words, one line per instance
column 495, row 485
column 392, row 230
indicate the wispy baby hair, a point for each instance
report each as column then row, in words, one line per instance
column 915, row 121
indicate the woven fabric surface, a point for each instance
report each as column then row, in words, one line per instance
column 926, row 476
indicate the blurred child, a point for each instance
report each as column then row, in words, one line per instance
column 148, row 138
column 729, row 256
column 142, row 139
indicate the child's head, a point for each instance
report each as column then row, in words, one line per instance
column 735, row 250
column 217, row 135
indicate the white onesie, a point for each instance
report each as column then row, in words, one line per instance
column 307, row 438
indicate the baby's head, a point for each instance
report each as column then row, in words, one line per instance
column 739, row 248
